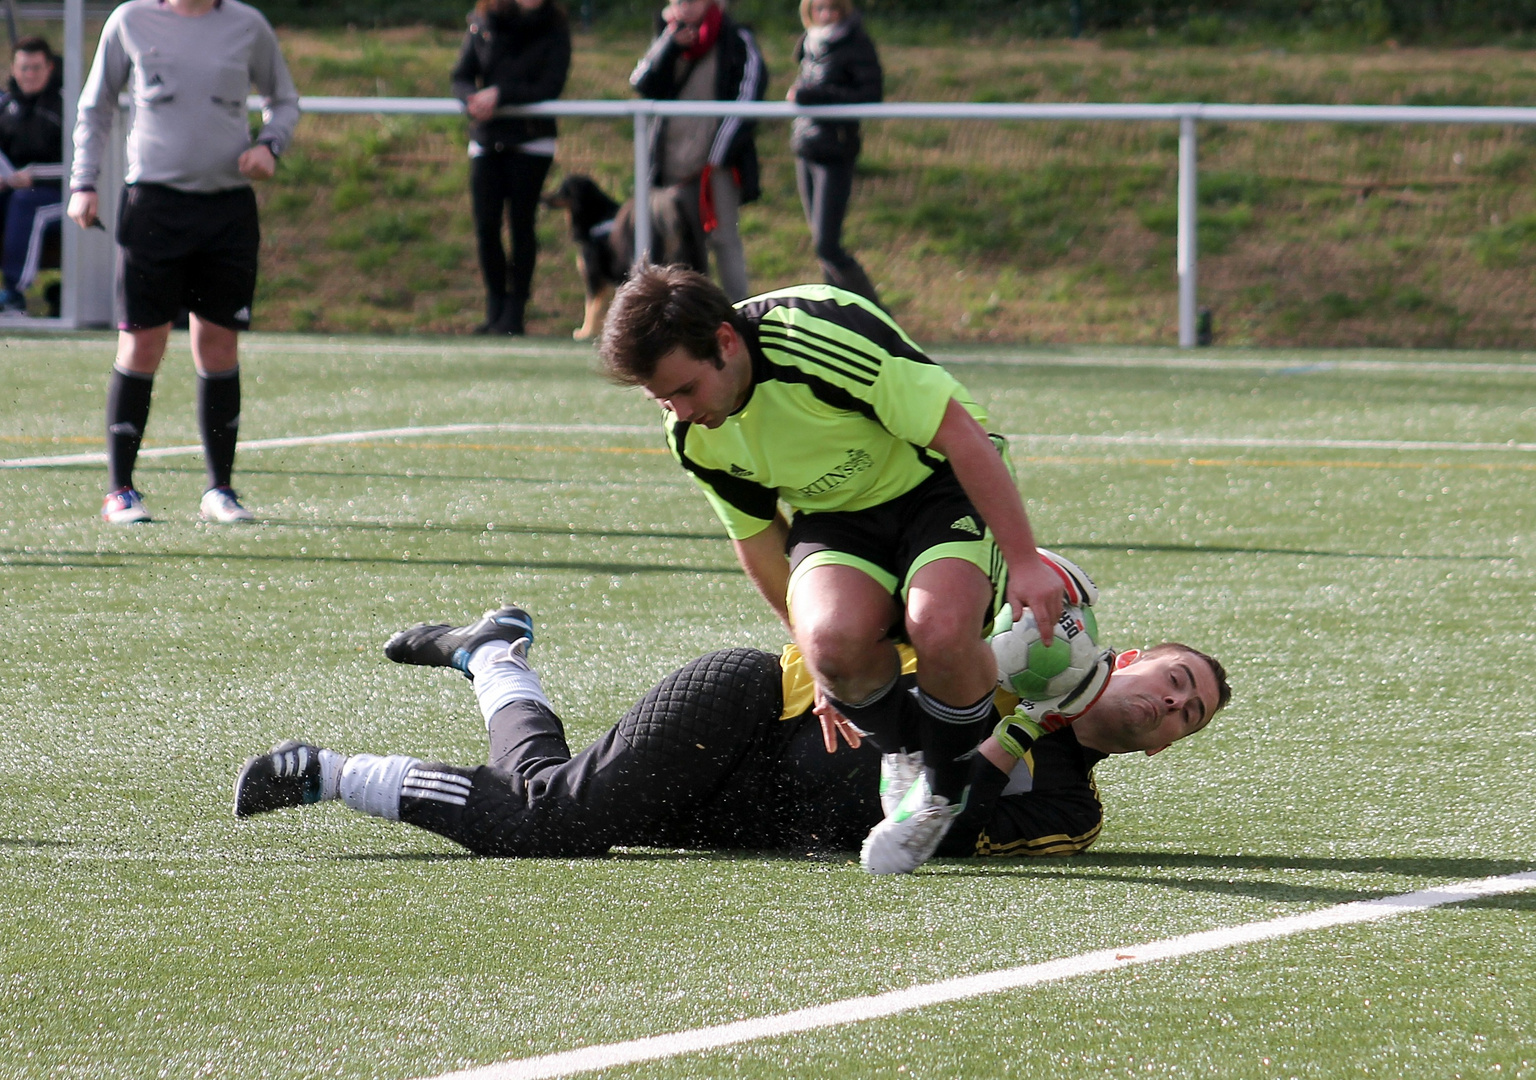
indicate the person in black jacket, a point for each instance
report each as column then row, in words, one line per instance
column 701, row 54
column 838, row 66
column 516, row 52
column 31, row 137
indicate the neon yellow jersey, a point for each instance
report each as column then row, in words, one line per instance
column 841, row 411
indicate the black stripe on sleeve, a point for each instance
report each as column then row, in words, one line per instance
column 833, row 348
column 792, row 346
column 879, row 329
column 752, row 499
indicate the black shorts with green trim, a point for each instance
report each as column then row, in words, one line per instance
column 893, row 541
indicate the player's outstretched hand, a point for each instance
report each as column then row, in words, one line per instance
column 1036, row 586
column 834, row 725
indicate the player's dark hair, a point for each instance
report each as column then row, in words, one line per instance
column 1223, row 688
column 35, row 45
column 661, row 308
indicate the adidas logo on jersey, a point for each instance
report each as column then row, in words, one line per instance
column 967, row 524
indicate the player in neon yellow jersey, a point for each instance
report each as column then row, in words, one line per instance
column 906, row 521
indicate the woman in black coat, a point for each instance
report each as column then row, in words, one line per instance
column 838, row 66
column 516, row 52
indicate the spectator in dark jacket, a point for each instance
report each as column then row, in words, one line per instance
column 838, row 66
column 31, row 137
column 516, row 52
column 700, row 54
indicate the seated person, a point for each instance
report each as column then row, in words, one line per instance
column 31, row 138
column 726, row 752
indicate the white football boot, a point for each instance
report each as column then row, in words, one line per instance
column 898, row 771
column 910, row 834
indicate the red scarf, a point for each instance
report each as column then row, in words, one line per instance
column 709, row 33
column 707, row 196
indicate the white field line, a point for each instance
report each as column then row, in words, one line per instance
column 1129, row 439
column 856, row 1010
column 1273, row 365
column 97, row 457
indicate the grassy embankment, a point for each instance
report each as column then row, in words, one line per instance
column 1310, row 234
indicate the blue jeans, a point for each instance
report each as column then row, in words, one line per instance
column 19, row 207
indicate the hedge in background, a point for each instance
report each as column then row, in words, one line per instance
column 1199, row 21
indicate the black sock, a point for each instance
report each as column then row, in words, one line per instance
column 218, row 416
column 881, row 715
column 950, row 734
column 128, row 395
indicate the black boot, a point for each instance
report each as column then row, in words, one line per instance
column 511, row 320
column 495, row 304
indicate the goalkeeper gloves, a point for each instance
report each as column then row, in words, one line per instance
column 1032, row 720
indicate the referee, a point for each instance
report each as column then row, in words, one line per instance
column 187, row 232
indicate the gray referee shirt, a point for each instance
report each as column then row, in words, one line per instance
column 187, row 77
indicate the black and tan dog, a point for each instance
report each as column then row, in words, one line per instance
column 604, row 233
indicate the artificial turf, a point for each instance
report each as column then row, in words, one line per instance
column 1349, row 532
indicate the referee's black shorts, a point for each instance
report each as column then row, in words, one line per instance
column 186, row 249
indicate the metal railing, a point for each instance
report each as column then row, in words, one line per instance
column 1186, row 114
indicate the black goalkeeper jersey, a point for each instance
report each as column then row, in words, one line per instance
column 1047, row 805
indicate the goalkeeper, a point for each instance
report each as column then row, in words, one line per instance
column 726, row 752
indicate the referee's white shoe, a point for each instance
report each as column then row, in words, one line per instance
column 222, row 505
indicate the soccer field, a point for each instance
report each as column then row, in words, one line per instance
column 1351, row 533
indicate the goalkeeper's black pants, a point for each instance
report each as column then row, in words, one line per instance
column 702, row 761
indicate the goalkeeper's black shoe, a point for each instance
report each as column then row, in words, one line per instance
column 439, row 645
column 288, row 776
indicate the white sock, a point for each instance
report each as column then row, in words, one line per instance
column 502, row 676
column 371, row 784
column 331, row 764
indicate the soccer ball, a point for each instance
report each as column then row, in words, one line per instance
column 1043, row 673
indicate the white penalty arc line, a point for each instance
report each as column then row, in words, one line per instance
column 97, row 457
column 856, row 1010
column 1129, row 439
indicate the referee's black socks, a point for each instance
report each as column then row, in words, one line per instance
column 128, row 394
column 218, row 417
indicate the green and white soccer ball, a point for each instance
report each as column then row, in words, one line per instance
column 1041, row 673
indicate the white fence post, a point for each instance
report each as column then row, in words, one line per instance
column 642, row 185
column 1189, row 219
column 87, row 257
